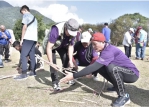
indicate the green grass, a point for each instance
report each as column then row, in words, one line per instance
column 35, row 90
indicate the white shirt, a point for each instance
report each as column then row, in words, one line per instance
column 127, row 39
column 12, row 36
column 31, row 32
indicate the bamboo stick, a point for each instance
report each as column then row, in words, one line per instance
column 69, row 101
column 37, row 56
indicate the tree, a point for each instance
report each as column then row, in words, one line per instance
column 17, row 29
column 41, row 28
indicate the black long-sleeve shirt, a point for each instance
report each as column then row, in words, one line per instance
column 88, row 70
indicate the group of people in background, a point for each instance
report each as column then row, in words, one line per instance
column 139, row 37
column 92, row 50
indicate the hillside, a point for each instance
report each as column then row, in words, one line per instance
column 4, row 4
column 9, row 15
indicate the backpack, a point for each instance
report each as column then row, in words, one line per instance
column 46, row 38
column 45, row 41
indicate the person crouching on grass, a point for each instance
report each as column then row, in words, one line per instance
column 85, row 53
column 39, row 63
column 113, row 65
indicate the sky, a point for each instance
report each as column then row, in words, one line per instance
column 85, row 11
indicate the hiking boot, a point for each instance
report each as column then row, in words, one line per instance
column 71, row 82
column 31, row 73
column 121, row 101
column 111, row 89
column 56, row 87
column 21, row 77
column 95, row 78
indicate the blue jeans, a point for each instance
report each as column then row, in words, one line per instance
column 140, row 51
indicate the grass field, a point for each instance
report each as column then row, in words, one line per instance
column 35, row 91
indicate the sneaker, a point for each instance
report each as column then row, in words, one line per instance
column 71, row 82
column 21, row 77
column 138, row 58
column 1, row 66
column 31, row 73
column 95, row 78
column 7, row 60
column 121, row 101
column 56, row 87
column 111, row 89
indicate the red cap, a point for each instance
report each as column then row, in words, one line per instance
column 98, row 37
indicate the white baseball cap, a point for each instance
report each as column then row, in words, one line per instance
column 131, row 29
column 85, row 37
column 90, row 29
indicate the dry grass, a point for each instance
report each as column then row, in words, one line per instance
column 35, row 90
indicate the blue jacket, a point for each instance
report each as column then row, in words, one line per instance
column 4, row 41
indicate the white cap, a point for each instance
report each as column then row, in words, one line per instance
column 86, row 37
column 90, row 29
column 131, row 29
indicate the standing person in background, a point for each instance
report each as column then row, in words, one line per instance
column 11, row 42
column 106, row 32
column 78, row 37
column 90, row 31
column 4, row 42
column 141, row 40
column 28, row 41
column 127, row 42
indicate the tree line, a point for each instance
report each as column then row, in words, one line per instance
column 118, row 26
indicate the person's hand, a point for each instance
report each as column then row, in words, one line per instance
column 21, row 42
column 70, row 64
column 18, row 68
column 6, row 37
column 68, row 77
column 55, row 66
column 89, row 76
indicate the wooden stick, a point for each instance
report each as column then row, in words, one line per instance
column 37, row 56
column 68, row 101
column 90, row 100
column 8, row 76
column 101, row 91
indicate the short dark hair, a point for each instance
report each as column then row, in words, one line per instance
column 24, row 7
column 106, row 24
column 16, row 43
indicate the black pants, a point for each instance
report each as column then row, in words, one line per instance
column 37, row 64
column 127, row 51
column 28, row 49
column 4, row 49
column 63, row 52
column 118, row 76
